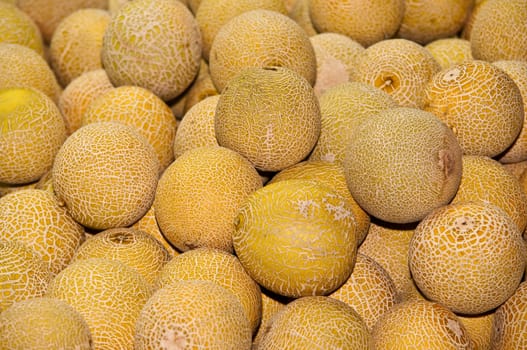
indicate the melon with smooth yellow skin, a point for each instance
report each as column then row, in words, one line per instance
column 31, row 133
column 18, row 28
column 311, row 245
column 43, row 323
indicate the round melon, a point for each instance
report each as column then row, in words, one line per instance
column 300, row 14
column 479, row 328
column 271, row 305
column 18, row 28
column 509, row 329
column 450, row 51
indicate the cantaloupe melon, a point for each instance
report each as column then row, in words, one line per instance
column 450, row 51
column 18, row 28
column 509, row 329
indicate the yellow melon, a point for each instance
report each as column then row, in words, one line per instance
column 135, row 248
column 428, row 20
column 202, row 88
column 516, row 169
column 420, row 325
column 153, row 44
column 260, row 38
column 402, row 163
column 485, row 179
column 369, row 290
column 316, row 322
column 209, row 264
column 468, row 256
column 141, row 109
column 479, row 328
column 102, row 183
column 79, row 94
column 509, row 329
column 76, row 43
column 486, row 118
column 310, row 247
column 43, row 323
column 199, row 194
column 450, row 51
column 192, row 314
column 499, row 31
column 24, row 274
column 8, row 188
column 271, row 305
column 300, row 14
column 400, row 67
column 21, row 66
column 18, row 28
column 31, row 133
column 212, row 15
column 469, row 23
column 278, row 123
column 365, row 21
column 343, row 108
column 36, row 218
column 331, row 175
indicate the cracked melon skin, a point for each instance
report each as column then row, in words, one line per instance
column 18, row 28
column 508, row 326
column 402, row 163
column 43, row 323
column 310, row 247
column 153, row 44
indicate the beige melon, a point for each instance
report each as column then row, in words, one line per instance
column 18, row 28
column 420, row 325
column 199, row 194
column 212, row 15
column 517, row 71
column 343, row 108
column 153, row 44
column 79, row 94
column 479, row 328
column 516, row 169
column 316, row 322
column 43, row 323
column 467, row 28
column 47, row 14
column 468, row 256
column 141, row 109
column 108, row 294
column 24, row 273
column 311, row 245
column 509, row 329
column 21, row 66
column 400, row 67
column 450, row 51
column 260, row 38
column 31, row 133
column 196, row 129
column 369, row 290
column 193, row 314
column 202, row 88
column 428, row 20
column 209, row 264
column 485, row 179
column 331, row 175
column 277, row 125
column 300, row 14
column 365, row 21
column 486, row 118
column 402, row 163
column 337, row 56
column 132, row 247
column 499, row 31
column 76, row 43
column 103, row 184
column 37, row 219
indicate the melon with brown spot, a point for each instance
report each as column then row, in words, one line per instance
column 31, row 133
column 108, row 294
column 278, row 123
column 261, row 38
column 154, row 44
column 218, row 266
column 193, row 314
column 199, row 194
column 102, row 183
column 24, row 273
column 365, row 21
column 311, row 245
column 420, row 325
column 468, row 256
column 402, row 163
column 76, row 43
column 479, row 328
column 316, row 322
column 43, row 323
column 400, row 67
column 480, row 103
column 18, row 28
column 37, row 219
column 509, row 329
